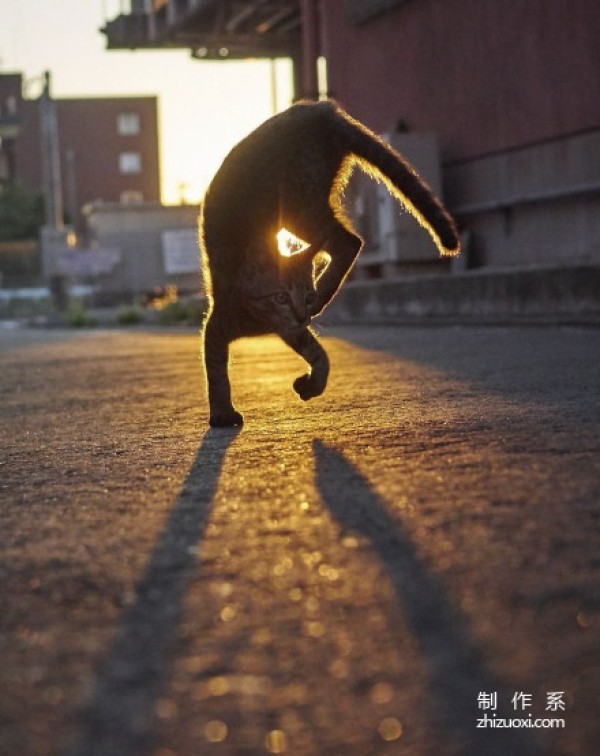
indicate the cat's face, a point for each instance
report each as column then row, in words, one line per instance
column 281, row 296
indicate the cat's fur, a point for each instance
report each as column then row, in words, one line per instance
column 290, row 172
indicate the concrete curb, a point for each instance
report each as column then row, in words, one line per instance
column 538, row 295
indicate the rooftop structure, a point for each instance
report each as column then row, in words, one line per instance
column 210, row 28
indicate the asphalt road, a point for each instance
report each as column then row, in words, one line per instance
column 355, row 575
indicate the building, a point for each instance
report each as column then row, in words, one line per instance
column 10, row 120
column 108, row 147
column 19, row 255
column 78, row 153
column 506, row 89
column 136, row 249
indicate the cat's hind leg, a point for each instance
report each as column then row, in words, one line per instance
column 343, row 247
column 216, row 361
column 306, row 345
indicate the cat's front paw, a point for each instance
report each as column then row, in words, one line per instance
column 229, row 419
column 307, row 387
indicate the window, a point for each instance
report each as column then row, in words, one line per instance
column 128, row 124
column 130, row 162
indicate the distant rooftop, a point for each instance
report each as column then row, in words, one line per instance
column 211, row 29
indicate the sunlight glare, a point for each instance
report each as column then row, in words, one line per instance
column 288, row 244
column 390, row 729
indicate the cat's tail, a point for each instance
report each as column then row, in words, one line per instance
column 382, row 162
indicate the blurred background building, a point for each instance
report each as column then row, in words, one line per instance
column 494, row 102
column 87, row 171
column 108, row 148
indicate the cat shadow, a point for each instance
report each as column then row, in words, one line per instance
column 118, row 719
column 457, row 671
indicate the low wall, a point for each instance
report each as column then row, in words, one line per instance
column 569, row 295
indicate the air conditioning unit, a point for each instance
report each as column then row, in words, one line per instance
column 401, row 238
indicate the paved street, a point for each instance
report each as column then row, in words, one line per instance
column 352, row 576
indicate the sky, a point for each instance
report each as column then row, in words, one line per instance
column 204, row 107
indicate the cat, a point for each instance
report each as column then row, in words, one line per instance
column 290, row 174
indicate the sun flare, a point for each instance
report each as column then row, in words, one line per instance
column 288, row 244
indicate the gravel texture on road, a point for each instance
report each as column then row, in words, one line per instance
column 355, row 575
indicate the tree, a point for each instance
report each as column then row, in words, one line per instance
column 21, row 212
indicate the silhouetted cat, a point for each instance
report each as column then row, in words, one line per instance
column 289, row 174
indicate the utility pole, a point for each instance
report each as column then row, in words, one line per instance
column 51, row 158
column 273, row 80
column 53, row 236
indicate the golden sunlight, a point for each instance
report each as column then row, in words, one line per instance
column 288, row 244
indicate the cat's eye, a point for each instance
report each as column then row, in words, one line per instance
column 282, row 297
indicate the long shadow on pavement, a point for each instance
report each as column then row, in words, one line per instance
column 457, row 672
column 119, row 717
column 548, row 366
